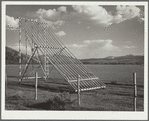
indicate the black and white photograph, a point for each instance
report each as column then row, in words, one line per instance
column 74, row 60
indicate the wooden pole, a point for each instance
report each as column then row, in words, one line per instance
column 36, row 84
column 78, row 90
column 26, row 37
column 20, row 50
column 45, row 64
column 135, row 91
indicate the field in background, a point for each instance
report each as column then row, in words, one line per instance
column 118, row 96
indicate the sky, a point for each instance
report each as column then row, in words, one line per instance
column 89, row 31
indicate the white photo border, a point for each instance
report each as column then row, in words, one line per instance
column 73, row 115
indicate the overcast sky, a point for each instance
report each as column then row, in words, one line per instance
column 91, row 31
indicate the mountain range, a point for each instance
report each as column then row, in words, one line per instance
column 12, row 57
column 127, row 59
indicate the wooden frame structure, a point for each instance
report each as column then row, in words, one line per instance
column 43, row 39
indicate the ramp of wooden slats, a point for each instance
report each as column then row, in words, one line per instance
column 61, row 58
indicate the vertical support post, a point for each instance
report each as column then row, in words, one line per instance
column 36, row 84
column 19, row 49
column 45, row 57
column 32, row 43
column 45, row 64
column 135, row 91
column 78, row 90
column 26, row 37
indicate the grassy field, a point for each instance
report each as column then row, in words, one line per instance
column 56, row 94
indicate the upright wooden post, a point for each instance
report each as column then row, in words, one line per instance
column 135, row 91
column 45, row 64
column 45, row 57
column 78, row 90
column 36, row 84
column 19, row 50
column 26, row 37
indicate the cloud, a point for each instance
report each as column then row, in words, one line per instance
column 62, row 9
column 88, row 27
column 93, row 48
column 77, row 49
column 128, row 47
column 61, row 33
column 102, row 44
column 125, row 12
column 76, row 46
column 79, row 22
column 12, row 23
column 127, row 42
column 52, row 16
column 95, row 14
column 99, row 15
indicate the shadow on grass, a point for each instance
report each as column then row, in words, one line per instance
column 62, row 101
column 41, row 106
column 49, row 106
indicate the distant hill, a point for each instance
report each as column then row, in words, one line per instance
column 12, row 57
column 128, row 59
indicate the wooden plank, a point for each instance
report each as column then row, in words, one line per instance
column 32, row 77
column 36, row 84
column 85, row 89
column 79, row 90
column 19, row 50
column 83, row 79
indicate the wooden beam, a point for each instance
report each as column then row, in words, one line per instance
column 83, row 79
column 79, row 90
column 19, row 50
column 36, row 84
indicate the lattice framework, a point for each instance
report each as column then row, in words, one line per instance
column 43, row 39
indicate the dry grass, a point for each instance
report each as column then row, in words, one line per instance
column 118, row 95
column 113, row 98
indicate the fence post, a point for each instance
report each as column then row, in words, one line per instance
column 135, row 91
column 36, row 84
column 78, row 90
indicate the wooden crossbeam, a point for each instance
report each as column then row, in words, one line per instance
column 85, row 89
column 50, row 47
column 31, row 20
column 32, row 77
column 83, row 79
